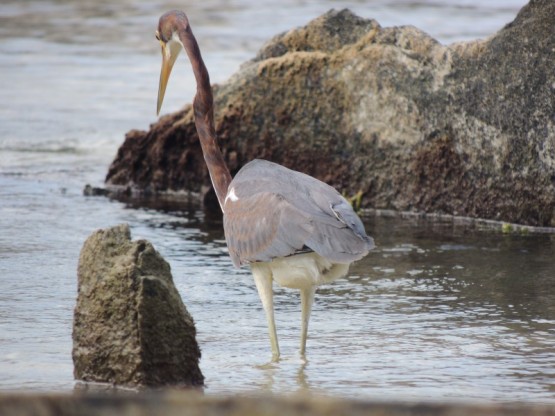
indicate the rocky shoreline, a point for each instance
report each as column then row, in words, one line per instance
column 169, row 403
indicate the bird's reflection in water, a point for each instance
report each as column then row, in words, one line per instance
column 302, row 379
column 273, row 371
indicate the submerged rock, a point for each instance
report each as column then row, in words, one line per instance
column 130, row 325
column 464, row 129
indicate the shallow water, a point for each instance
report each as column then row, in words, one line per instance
column 436, row 312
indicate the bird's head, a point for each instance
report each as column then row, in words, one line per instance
column 170, row 25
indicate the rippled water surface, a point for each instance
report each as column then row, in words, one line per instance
column 436, row 312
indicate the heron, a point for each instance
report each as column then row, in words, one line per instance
column 288, row 226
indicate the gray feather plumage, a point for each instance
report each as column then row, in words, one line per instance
column 280, row 212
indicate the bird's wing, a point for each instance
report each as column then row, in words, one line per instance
column 277, row 212
column 338, row 232
column 263, row 226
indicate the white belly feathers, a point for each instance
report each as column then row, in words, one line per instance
column 301, row 271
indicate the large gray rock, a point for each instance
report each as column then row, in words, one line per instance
column 130, row 325
column 465, row 129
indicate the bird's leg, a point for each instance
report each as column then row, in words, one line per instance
column 263, row 281
column 307, row 299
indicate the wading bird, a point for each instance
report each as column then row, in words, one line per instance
column 288, row 226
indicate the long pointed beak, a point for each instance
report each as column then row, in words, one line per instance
column 169, row 55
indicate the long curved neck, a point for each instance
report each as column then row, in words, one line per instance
column 203, row 106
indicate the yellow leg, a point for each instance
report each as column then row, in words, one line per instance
column 307, row 299
column 263, row 280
